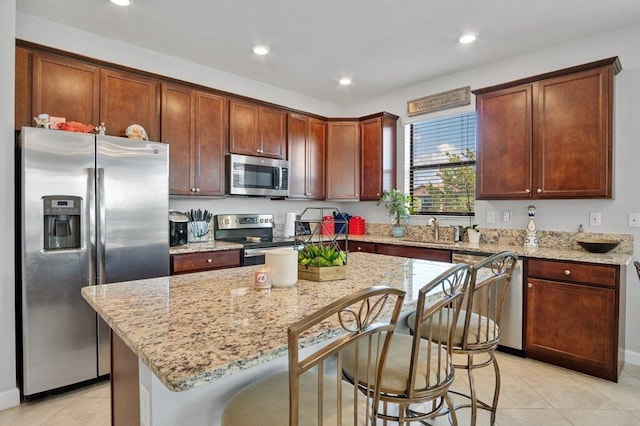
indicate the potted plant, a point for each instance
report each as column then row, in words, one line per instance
column 400, row 206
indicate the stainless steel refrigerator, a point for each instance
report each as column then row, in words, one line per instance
column 94, row 211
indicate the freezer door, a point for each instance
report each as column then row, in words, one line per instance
column 58, row 325
column 132, row 207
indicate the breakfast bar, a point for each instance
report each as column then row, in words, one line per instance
column 189, row 342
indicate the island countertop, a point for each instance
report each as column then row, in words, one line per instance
column 193, row 329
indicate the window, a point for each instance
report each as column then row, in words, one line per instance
column 442, row 164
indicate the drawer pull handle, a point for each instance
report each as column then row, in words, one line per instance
column 209, row 260
column 529, row 285
column 539, row 191
column 567, row 272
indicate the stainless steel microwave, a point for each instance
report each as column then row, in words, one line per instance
column 246, row 175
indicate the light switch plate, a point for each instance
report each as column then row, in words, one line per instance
column 506, row 217
column 595, row 219
column 634, row 220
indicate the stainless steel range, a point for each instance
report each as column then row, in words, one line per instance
column 253, row 231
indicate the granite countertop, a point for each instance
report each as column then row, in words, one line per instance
column 556, row 251
column 612, row 258
column 195, row 328
column 204, row 246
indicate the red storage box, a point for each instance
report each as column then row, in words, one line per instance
column 356, row 226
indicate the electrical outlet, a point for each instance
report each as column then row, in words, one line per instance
column 491, row 217
column 506, row 217
column 595, row 219
column 634, row 220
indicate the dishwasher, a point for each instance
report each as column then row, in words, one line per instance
column 511, row 323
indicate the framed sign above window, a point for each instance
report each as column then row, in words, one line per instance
column 445, row 100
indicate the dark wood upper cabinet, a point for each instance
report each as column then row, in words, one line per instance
column 24, row 77
column 548, row 136
column 378, row 156
column 194, row 124
column 343, row 160
column 65, row 88
column 306, row 152
column 211, row 130
column 256, row 130
column 127, row 99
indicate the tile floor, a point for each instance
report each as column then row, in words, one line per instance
column 533, row 393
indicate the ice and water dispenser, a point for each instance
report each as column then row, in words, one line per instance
column 61, row 222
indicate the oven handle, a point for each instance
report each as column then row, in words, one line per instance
column 261, row 251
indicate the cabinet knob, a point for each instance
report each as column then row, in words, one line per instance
column 193, row 190
column 197, row 189
column 527, row 190
column 567, row 272
column 209, row 260
column 359, row 248
column 539, row 191
column 377, row 194
column 529, row 285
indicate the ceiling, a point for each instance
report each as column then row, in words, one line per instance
column 381, row 45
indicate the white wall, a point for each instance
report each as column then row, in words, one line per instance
column 559, row 215
column 9, row 394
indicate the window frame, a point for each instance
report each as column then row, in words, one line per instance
column 408, row 160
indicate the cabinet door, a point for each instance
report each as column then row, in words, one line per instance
column 343, row 160
column 297, row 148
column 272, row 125
column 127, row 99
column 316, row 142
column 23, row 87
column 503, row 159
column 177, row 131
column 574, row 138
column 243, row 128
column 65, row 88
column 211, row 141
column 371, row 159
column 572, row 325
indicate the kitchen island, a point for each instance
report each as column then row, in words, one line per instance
column 191, row 341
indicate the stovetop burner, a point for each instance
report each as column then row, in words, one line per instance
column 245, row 228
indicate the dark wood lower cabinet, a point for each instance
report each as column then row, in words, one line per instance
column 361, row 246
column 574, row 321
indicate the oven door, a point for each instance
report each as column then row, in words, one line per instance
column 255, row 256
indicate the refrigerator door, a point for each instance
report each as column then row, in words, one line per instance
column 132, row 201
column 58, row 325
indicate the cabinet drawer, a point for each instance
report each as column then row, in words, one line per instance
column 362, row 246
column 574, row 272
column 414, row 252
column 192, row 262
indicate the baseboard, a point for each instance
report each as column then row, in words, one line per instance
column 9, row 398
column 631, row 357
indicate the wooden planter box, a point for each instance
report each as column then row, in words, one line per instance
column 322, row 273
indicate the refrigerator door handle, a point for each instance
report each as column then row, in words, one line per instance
column 88, row 231
column 100, row 229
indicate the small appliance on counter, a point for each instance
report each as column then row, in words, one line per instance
column 178, row 224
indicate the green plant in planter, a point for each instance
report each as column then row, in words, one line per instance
column 399, row 205
column 466, row 229
column 321, row 255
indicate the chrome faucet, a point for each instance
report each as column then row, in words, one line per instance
column 436, row 229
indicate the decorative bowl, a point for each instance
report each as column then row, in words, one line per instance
column 597, row 245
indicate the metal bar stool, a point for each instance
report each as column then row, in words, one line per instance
column 313, row 392
column 478, row 330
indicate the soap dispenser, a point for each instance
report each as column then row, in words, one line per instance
column 530, row 240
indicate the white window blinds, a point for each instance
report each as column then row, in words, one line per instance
column 442, row 164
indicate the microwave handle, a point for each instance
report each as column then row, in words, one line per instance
column 278, row 177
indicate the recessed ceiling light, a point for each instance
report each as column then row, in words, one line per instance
column 121, row 2
column 345, row 81
column 467, row 38
column 260, row 50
